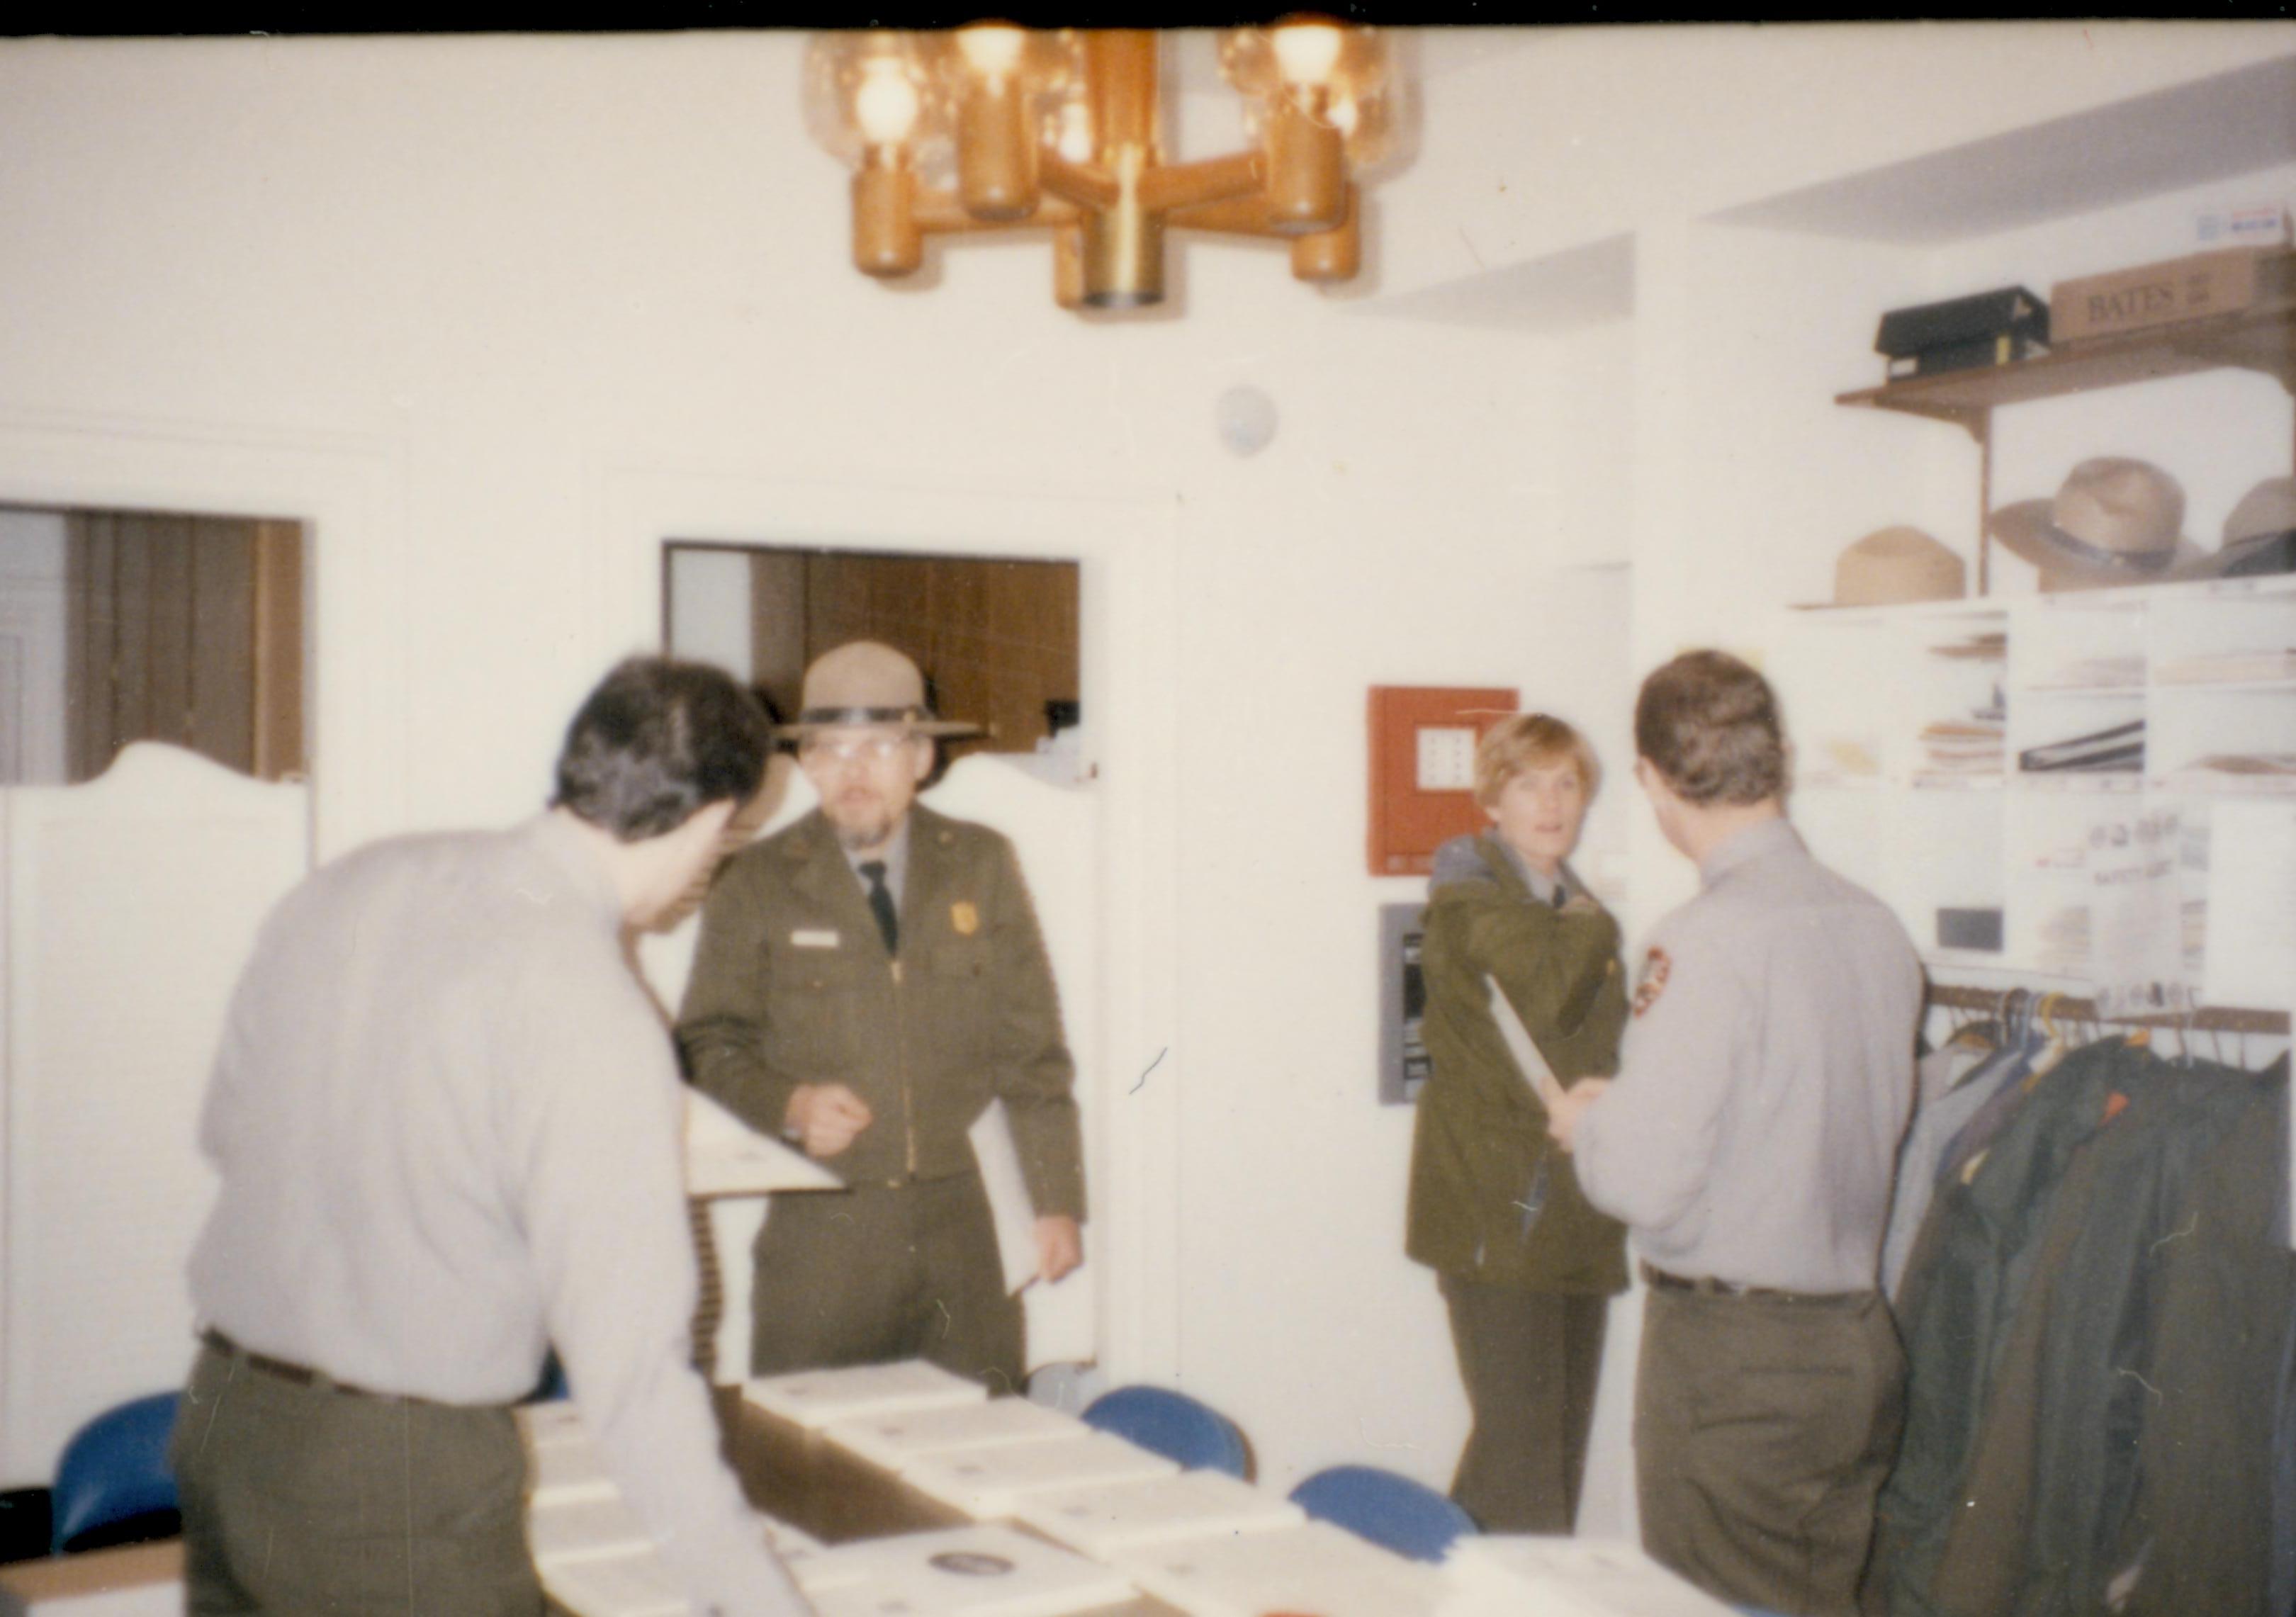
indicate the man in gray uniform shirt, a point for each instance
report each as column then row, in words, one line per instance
column 448, row 1123
column 1748, row 1143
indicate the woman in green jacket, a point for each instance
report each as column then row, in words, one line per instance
column 1528, row 1269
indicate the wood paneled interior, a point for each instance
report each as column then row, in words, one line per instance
column 186, row 629
column 996, row 639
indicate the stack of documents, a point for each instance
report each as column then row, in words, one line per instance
column 594, row 1557
column 961, row 1572
column 2115, row 747
column 988, row 1484
column 2115, row 671
column 1963, row 746
column 1503, row 1576
column 1100, row 1519
column 2217, row 771
column 1314, row 1567
column 897, row 1441
column 818, row 1399
column 620, row 1585
column 2265, row 666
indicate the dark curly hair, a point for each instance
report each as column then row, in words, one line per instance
column 658, row 740
column 1710, row 723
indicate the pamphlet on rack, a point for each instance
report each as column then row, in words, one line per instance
column 2136, row 923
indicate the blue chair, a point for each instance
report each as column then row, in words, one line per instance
column 113, row 1484
column 1180, row 1428
column 1385, row 1507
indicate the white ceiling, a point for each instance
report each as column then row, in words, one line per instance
column 2212, row 128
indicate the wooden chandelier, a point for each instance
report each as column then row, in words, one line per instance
column 991, row 127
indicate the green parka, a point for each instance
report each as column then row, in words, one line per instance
column 1481, row 1132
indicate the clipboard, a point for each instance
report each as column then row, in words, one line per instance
column 1528, row 1059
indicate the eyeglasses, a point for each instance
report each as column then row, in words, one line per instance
column 873, row 748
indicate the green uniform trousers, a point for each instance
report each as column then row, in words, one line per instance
column 311, row 1498
column 885, row 1272
column 1763, row 1431
column 1529, row 1361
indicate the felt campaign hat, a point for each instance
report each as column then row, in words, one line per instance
column 2115, row 521
column 865, row 682
column 2260, row 536
column 1892, row 565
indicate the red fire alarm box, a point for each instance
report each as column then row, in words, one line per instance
column 1422, row 769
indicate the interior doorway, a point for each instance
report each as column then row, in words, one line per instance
column 126, row 626
column 996, row 637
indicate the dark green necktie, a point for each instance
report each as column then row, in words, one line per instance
column 880, row 902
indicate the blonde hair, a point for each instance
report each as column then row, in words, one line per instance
column 1530, row 740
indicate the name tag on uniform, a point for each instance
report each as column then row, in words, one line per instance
column 815, row 938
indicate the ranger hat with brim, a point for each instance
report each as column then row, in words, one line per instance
column 864, row 682
column 1895, row 565
column 2260, row 536
column 2116, row 520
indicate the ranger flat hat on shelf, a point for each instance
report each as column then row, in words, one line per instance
column 2116, row 520
column 864, row 682
column 1892, row 565
column 2260, row 536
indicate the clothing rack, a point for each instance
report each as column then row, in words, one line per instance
column 2205, row 1019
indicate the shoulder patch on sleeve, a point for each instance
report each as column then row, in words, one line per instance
column 1652, row 980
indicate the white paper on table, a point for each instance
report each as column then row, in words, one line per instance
column 163, row 1597
column 962, row 1572
column 1098, row 1518
column 1314, row 1567
column 2252, row 959
column 566, row 1473
column 1008, row 1194
column 1500, row 1575
column 818, row 1398
column 550, row 1424
column 632, row 1585
column 584, row 1529
column 896, row 1440
column 988, row 1482
column 726, row 1157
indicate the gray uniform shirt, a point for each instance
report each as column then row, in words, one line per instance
column 449, row 1124
column 1766, row 1077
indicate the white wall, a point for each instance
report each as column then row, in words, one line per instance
column 503, row 313
column 32, row 635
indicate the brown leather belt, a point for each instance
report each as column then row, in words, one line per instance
column 302, row 1376
column 1706, row 1285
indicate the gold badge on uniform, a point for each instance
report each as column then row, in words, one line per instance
column 963, row 916
column 1651, row 984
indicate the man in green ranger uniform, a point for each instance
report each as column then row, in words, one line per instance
column 866, row 982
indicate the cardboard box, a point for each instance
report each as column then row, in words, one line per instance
column 2222, row 282
column 134, row 1581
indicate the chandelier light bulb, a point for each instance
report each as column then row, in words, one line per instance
column 1306, row 53
column 991, row 49
column 1074, row 141
column 885, row 104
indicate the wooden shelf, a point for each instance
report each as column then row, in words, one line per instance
column 2256, row 340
